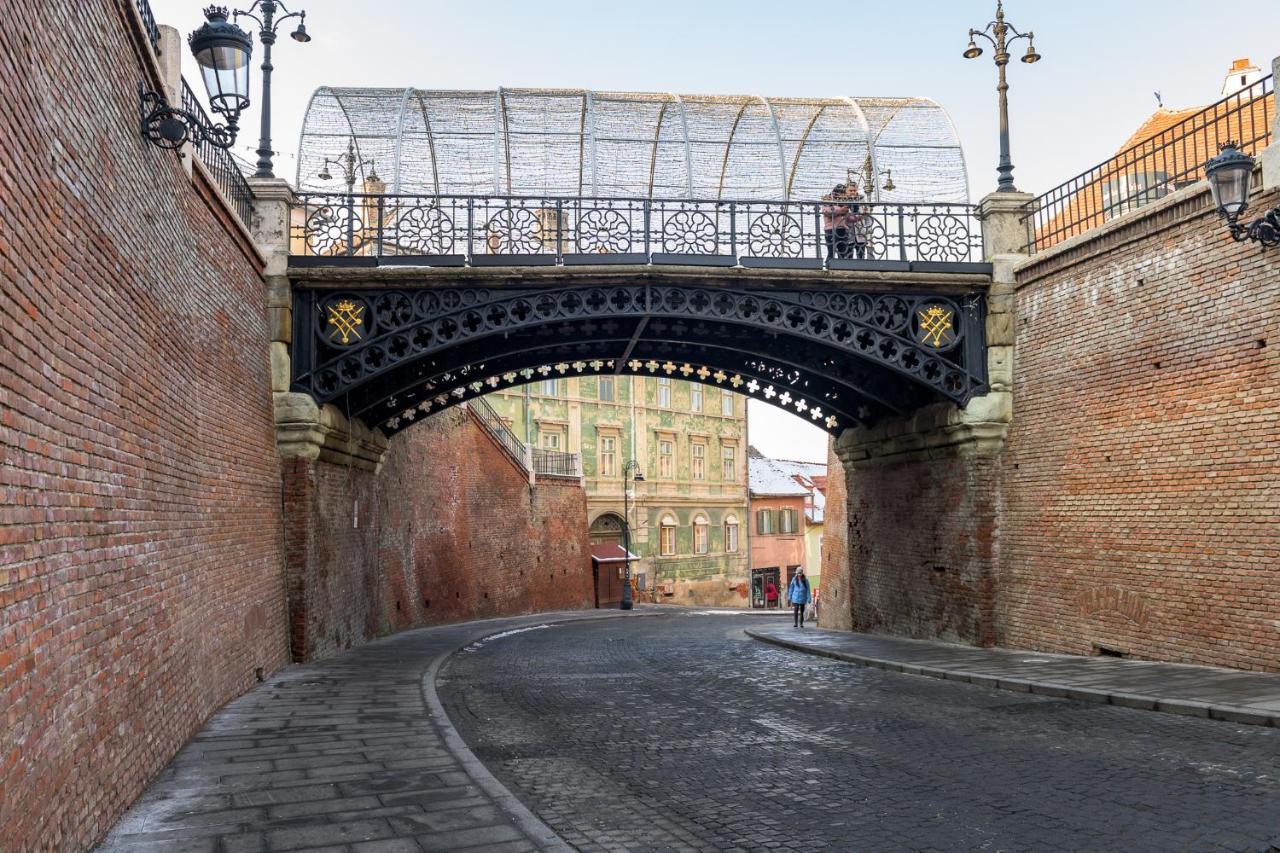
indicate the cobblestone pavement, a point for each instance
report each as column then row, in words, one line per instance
column 346, row 755
column 677, row 732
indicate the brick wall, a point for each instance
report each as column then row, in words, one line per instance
column 921, row 543
column 836, row 601
column 1143, row 467
column 449, row 529
column 140, row 531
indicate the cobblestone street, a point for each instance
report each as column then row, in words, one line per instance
column 677, row 732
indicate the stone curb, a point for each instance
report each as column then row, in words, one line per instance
column 1224, row 713
column 528, row 822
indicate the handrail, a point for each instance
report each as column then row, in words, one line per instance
column 1152, row 168
column 221, row 165
column 496, row 427
column 479, row 230
column 149, row 23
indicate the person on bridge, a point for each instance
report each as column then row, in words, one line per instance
column 835, row 224
column 798, row 594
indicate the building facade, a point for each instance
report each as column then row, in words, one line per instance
column 787, row 508
column 689, row 513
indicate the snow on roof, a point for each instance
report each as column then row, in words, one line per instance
column 783, row 477
column 611, row 553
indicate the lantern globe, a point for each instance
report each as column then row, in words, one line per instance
column 1229, row 175
column 223, row 50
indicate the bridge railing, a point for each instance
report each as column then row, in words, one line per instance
column 363, row 229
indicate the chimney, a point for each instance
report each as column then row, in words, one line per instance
column 1243, row 73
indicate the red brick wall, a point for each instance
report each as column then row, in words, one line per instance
column 921, row 547
column 140, row 529
column 449, row 530
column 836, row 601
column 1143, row 467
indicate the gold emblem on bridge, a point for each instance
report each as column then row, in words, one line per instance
column 347, row 319
column 935, row 326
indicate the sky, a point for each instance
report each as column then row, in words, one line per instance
column 1102, row 62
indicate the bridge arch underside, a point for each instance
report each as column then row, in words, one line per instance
column 836, row 358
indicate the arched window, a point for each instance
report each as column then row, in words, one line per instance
column 731, row 534
column 667, row 536
column 700, row 538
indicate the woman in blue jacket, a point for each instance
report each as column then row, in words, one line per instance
column 799, row 595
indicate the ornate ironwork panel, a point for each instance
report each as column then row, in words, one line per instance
column 838, row 357
column 520, row 230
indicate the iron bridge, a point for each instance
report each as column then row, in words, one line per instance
column 390, row 346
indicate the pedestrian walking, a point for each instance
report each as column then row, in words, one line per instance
column 771, row 594
column 799, row 595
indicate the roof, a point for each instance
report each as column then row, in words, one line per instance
column 783, row 477
column 611, row 553
column 575, row 142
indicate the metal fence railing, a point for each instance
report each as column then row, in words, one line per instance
column 556, row 463
column 149, row 23
column 1153, row 168
column 492, row 421
column 493, row 230
column 220, row 163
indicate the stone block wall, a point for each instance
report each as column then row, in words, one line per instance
column 1142, row 472
column 449, row 529
column 140, row 529
column 836, row 598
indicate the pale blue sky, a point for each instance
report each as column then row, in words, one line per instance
column 1102, row 61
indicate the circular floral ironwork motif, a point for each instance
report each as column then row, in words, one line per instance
column 425, row 231
column 604, row 231
column 774, row 235
column 874, row 237
column 689, row 232
column 327, row 230
column 942, row 237
column 513, row 231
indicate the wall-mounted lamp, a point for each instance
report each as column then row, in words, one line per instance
column 1229, row 174
column 222, row 50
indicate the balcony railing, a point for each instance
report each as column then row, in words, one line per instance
column 1153, row 168
column 220, row 163
column 362, row 229
column 556, row 463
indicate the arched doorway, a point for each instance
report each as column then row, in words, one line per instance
column 606, row 530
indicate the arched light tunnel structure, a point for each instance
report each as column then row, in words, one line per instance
column 700, row 176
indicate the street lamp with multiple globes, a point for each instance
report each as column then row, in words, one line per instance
column 630, row 468
column 996, row 32
column 268, row 24
column 1229, row 175
column 350, row 165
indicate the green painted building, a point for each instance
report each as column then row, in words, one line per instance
column 689, row 515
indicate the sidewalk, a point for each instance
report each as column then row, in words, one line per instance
column 1203, row 691
column 352, row 753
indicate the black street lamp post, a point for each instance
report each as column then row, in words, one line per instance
column 998, row 37
column 628, row 467
column 1230, row 174
column 349, row 164
column 268, row 25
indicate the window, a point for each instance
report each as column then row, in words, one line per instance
column 786, row 521
column 728, row 463
column 605, row 389
column 700, row 543
column 608, row 456
column 698, row 464
column 1130, row 191
column 764, row 522
column 666, row 458
column 731, row 535
column 726, row 403
column 695, row 397
column 667, row 536
column 551, row 439
column 547, row 387
column 664, row 392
